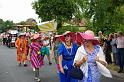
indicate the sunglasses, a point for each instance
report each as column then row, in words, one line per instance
column 67, row 36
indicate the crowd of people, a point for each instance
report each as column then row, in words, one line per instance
column 32, row 47
column 70, row 50
column 113, row 47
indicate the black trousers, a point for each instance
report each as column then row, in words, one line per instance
column 121, row 57
column 108, row 57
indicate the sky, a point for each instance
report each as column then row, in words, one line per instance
column 17, row 10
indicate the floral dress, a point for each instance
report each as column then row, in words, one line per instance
column 93, row 72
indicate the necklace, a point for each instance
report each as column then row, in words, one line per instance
column 70, row 53
column 68, row 44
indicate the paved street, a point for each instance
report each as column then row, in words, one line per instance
column 11, row 72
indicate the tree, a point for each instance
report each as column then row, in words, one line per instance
column 60, row 10
column 5, row 25
column 33, row 23
column 103, row 15
column 1, row 25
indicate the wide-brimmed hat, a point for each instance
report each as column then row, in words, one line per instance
column 89, row 35
column 71, row 34
column 58, row 37
column 36, row 36
column 21, row 34
column 66, row 33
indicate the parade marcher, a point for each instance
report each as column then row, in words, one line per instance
column 89, row 57
column 114, row 48
column 21, row 49
column 28, row 40
column 120, row 51
column 45, row 50
column 66, row 54
column 56, row 42
column 36, row 58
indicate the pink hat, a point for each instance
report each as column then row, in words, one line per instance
column 36, row 36
column 58, row 37
column 89, row 35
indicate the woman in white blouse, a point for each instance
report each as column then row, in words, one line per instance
column 90, row 58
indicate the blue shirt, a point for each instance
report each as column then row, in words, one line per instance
column 67, row 53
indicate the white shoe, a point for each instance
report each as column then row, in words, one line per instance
column 33, row 69
column 37, row 79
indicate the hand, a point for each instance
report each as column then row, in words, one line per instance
column 62, row 70
column 16, row 46
column 21, row 49
column 38, row 52
column 96, row 58
column 85, row 58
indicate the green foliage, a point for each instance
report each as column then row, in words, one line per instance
column 104, row 15
column 69, row 28
column 5, row 25
column 61, row 10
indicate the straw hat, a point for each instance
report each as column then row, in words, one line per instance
column 21, row 34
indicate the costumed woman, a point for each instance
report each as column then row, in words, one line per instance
column 91, row 59
column 66, row 53
column 21, row 46
column 36, row 58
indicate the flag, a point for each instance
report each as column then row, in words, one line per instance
column 47, row 26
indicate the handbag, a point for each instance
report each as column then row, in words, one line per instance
column 76, row 73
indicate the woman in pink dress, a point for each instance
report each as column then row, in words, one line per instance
column 36, row 58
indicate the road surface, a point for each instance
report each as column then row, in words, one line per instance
column 11, row 72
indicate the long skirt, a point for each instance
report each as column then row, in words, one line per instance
column 67, row 65
column 22, row 57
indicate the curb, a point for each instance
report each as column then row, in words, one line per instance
column 119, row 75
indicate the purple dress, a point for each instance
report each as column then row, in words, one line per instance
column 36, row 58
